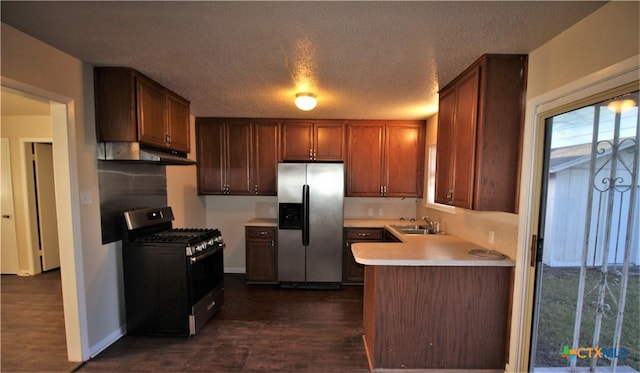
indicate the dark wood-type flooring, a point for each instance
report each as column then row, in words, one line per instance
column 32, row 324
column 260, row 328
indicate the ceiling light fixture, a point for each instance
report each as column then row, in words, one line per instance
column 620, row 106
column 306, row 101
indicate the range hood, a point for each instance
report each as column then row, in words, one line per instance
column 134, row 152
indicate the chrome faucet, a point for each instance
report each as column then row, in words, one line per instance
column 432, row 226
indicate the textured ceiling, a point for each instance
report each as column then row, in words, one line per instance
column 382, row 60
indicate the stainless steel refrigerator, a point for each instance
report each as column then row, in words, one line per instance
column 310, row 220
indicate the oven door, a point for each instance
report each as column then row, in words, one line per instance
column 206, row 272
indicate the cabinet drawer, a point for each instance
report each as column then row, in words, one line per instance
column 261, row 232
column 373, row 234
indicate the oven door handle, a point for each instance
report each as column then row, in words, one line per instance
column 195, row 259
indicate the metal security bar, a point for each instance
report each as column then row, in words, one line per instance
column 612, row 197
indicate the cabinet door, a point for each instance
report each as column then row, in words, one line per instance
column 364, row 159
column 152, row 111
column 404, row 154
column 328, row 141
column 115, row 104
column 464, row 135
column 238, row 157
column 444, row 154
column 210, row 137
column 352, row 271
column 297, row 141
column 261, row 254
column 178, row 123
column 265, row 158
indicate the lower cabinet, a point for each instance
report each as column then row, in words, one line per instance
column 261, row 255
column 352, row 271
column 443, row 318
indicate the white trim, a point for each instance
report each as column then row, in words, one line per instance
column 108, row 341
column 624, row 72
column 235, row 270
column 68, row 214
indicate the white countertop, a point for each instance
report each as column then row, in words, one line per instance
column 261, row 222
column 414, row 250
column 422, row 250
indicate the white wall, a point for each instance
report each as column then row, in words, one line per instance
column 609, row 35
column 189, row 209
column 589, row 56
column 91, row 272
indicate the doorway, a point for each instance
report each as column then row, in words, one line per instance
column 27, row 126
column 587, row 313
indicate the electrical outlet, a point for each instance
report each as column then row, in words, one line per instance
column 370, row 212
column 86, row 198
column 380, row 212
column 272, row 211
column 492, row 236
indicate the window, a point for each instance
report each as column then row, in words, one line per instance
column 431, row 183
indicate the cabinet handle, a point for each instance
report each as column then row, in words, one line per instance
column 167, row 138
column 264, row 233
column 273, row 243
column 311, row 154
column 364, row 234
column 381, row 193
column 450, row 196
column 256, row 188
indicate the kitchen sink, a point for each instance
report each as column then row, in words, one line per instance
column 415, row 229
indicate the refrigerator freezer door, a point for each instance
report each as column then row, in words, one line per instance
column 326, row 198
column 291, row 178
column 291, row 252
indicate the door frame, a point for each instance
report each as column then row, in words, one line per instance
column 619, row 74
column 68, row 215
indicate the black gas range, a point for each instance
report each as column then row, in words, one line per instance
column 173, row 277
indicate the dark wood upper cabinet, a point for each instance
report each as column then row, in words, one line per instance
column 224, row 154
column 480, row 135
column 211, row 156
column 130, row 107
column 404, row 159
column 312, row 140
column 237, row 156
column 365, row 152
column 385, row 158
column 178, row 116
column 266, row 156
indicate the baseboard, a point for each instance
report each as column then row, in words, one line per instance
column 235, row 270
column 107, row 341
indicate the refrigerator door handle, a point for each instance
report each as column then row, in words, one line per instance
column 305, row 215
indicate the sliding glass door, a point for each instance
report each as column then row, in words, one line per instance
column 587, row 314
